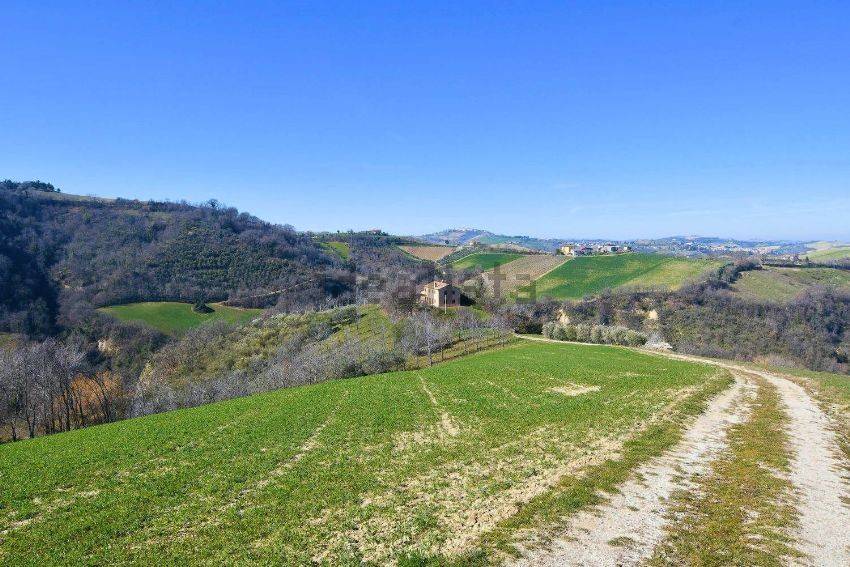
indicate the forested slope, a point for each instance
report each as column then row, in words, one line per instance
column 59, row 252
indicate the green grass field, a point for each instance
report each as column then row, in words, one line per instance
column 174, row 318
column 587, row 275
column 485, row 260
column 341, row 249
column 784, row 284
column 827, row 254
column 438, row 463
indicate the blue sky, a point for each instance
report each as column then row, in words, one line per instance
column 567, row 119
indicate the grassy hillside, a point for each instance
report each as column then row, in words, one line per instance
column 173, row 318
column 439, row 461
column 587, row 275
column 250, row 345
column 783, row 284
column 485, row 260
column 341, row 249
column 830, row 253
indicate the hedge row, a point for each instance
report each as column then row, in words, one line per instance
column 602, row 334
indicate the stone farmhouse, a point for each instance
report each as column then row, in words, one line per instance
column 440, row 294
column 575, row 250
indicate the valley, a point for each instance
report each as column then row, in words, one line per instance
column 468, row 284
column 220, row 390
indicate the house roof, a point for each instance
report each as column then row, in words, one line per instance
column 437, row 284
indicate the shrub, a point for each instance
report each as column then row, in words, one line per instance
column 597, row 334
column 560, row 333
column 201, row 307
column 583, row 333
column 600, row 334
column 635, row 338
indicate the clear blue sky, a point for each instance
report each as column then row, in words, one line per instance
column 592, row 119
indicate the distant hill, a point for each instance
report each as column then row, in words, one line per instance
column 463, row 236
column 677, row 245
column 827, row 251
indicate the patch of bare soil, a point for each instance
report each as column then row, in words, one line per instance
column 572, row 390
column 626, row 529
column 432, row 253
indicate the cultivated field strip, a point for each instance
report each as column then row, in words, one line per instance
column 520, row 272
column 485, row 260
column 432, row 253
column 427, row 462
column 588, row 275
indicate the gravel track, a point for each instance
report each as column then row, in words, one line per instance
column 627, row 527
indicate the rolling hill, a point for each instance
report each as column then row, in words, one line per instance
column 336, row 472
column 63, row 251
column 828, row 251
column 462, row 236
column 587, row 275
column 784, row 284
column 519, row 272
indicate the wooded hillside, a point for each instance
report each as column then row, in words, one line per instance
column 61, row 252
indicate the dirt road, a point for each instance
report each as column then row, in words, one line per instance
column 626, row 529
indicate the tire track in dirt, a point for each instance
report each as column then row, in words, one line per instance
column 637, row 515
column 816, row 473
column 447, row 423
